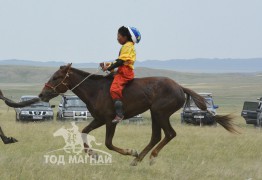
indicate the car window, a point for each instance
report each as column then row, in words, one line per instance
column 251, row 106
column 74, row 102
column 209, row 103
column 41, row 103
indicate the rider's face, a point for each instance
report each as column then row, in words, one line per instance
column 121, row 39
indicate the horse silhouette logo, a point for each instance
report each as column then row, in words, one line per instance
column 74, row 140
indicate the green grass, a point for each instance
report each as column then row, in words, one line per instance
column 196, row 152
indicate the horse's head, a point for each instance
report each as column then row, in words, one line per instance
column 57, row 84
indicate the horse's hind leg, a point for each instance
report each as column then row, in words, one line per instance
column 169, row 134
column 6, row 140
column 155, row 138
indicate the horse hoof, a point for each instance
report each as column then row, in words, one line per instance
column 134, row 162
column 152, row 160
column 8, row 140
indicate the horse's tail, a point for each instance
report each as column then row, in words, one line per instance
column 226, row 120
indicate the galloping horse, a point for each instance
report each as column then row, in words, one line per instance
column 161, row 95
column 5, row 139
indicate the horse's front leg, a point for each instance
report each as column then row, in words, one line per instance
column 110, row 131
column 91, row 126
column 6, row 140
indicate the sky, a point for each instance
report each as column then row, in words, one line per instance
column 86, row 30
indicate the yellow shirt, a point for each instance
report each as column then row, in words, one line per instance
column 128, row 54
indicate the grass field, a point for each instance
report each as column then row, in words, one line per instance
column 196, row 152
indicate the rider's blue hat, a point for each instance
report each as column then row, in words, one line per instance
column 135, row 34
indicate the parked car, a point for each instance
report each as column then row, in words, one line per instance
column 136, row 119
column 249, row 112
column 36, row 112
column 191, row 114
column 71, row 107
column 252, row 112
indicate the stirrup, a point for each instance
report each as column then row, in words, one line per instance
column 117, row 119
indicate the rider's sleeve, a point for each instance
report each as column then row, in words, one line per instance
column 115, row 64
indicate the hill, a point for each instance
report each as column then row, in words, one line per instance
column 181, row 65
column 31, row 74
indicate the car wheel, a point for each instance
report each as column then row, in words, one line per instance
column 259, row 121
column 182, row 119
column 17, row 119
column 60, row 118
column 57, row 116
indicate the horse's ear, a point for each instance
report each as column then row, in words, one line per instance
column 68, row 66
column 65, row 68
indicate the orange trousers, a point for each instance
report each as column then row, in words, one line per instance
column 123, row 76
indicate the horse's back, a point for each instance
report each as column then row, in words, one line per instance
column 151, row 86
column 152, row 81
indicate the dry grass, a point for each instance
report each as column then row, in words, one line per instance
column 196, row 153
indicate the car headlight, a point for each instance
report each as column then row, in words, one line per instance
column 25, row 112
column 50, row 113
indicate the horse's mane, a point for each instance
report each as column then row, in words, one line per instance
column 94, row 77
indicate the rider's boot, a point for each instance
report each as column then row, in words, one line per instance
column 119, row 111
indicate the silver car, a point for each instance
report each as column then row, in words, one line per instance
column 71, row 107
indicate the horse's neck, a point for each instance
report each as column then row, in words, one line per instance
column 86, row 91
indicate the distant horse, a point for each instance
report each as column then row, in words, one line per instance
column 161, row 95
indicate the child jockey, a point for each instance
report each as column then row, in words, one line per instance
column 127, row 37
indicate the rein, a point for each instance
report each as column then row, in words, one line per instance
column 65, row 84
column 85, row 79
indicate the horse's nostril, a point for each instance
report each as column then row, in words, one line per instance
column 40, row 95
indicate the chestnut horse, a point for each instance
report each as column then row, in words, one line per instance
column 5, row 139
column 161, row 95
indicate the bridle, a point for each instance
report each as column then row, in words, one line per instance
column 60, row 83
column 65, row 84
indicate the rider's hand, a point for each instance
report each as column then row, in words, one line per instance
column 102, row 64
column 104, row 68
column 105, row 65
